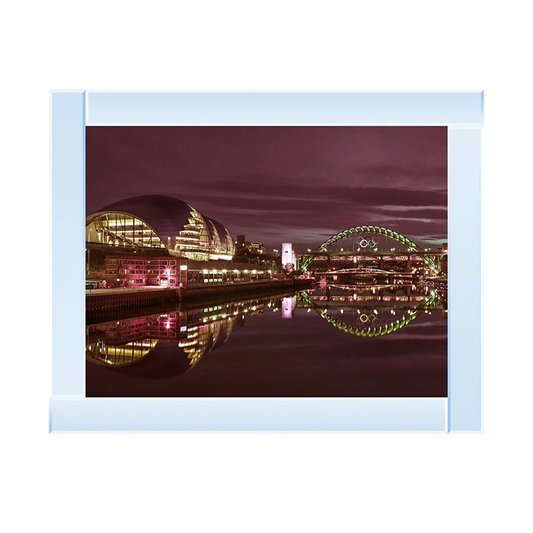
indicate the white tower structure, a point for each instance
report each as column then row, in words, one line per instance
column 288, row 256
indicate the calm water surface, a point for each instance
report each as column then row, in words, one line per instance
column 336, row 341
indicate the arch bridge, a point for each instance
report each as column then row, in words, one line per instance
column 368, row 240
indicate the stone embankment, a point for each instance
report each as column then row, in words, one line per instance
column 116, row 299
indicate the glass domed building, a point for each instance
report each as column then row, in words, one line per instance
column 160, row 222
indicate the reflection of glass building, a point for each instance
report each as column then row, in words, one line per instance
column 160, row 222
column 175, row 341
column 190, row 335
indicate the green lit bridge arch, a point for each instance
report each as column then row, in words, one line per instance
column 370, row 230
column 372, row 331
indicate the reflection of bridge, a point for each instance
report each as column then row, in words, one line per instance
column 371, row 243
column 370, row 293
column 366, row 320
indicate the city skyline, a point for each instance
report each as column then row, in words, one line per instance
column 282, row 183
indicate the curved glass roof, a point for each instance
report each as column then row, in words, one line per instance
column 177, row 224
column 166, row 214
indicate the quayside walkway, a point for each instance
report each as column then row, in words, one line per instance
column 113, row 299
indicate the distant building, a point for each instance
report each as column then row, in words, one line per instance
column 253, row 247
column 256, row 247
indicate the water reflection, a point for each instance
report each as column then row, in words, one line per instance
column 363, row 310
column 132, row 352
column 373, row 310
column 195, row 332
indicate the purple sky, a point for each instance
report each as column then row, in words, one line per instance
column 277, row 184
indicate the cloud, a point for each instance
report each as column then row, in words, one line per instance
column 289, row 183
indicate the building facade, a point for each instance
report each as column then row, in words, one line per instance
column 132, row 272
column 160, row 222
column 170, row 272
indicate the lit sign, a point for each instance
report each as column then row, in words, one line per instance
column 363, row 242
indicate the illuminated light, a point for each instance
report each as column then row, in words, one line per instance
column 183, row 267
column 254, row 271
column 184, row 344
column 246, row 271
column 206, row 271
column 236, row 271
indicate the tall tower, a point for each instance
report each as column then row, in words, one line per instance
column 288, row 256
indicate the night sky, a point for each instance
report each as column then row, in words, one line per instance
column 278, row 184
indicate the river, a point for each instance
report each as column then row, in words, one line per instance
column 334, row 341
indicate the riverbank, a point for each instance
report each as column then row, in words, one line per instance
column 119, row 299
